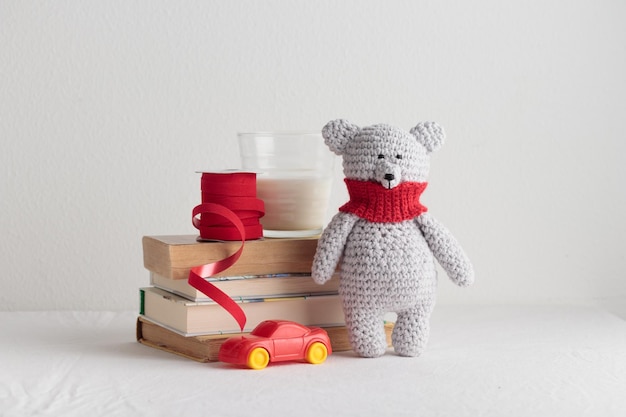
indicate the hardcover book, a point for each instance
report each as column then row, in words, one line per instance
column 250, row 286
column 206, row 348
column 192, row 318
column 173, row 256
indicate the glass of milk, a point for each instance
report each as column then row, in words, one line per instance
column 294, row 173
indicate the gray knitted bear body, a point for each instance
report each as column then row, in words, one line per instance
column 383, row 240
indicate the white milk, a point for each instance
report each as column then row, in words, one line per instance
column 294, row 206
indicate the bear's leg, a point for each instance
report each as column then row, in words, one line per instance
column 410, row 333
column 366, row 330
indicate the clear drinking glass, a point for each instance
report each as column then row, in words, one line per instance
column 294, row 175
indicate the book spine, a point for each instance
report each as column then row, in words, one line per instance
column 142, row 301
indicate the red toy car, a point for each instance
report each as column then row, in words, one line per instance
column 274, row 341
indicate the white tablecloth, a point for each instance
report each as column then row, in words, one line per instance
column 480, row 361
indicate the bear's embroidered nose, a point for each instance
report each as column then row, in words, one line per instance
column 390, row 177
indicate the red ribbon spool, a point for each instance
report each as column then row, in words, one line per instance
column 230, row 210
column 235, row 191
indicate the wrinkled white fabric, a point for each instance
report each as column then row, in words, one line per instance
column 481, row 361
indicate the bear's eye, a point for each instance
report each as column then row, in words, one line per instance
column 398, row 156
column 381, row 156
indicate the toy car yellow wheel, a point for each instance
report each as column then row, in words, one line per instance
column 258, row 358
column 316, row 353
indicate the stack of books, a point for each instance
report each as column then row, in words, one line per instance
column 271, row 280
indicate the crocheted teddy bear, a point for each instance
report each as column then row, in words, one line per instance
column 383, row 239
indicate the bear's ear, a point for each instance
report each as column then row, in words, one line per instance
column 337, row 133
column 429, row 134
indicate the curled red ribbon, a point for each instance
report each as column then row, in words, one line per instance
column 229, row 211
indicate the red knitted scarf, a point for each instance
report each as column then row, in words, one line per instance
column 372, row 201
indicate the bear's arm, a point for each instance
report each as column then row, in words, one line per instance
column 446, row 250
column 330, row 246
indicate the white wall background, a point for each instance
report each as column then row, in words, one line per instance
column 107, row 109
